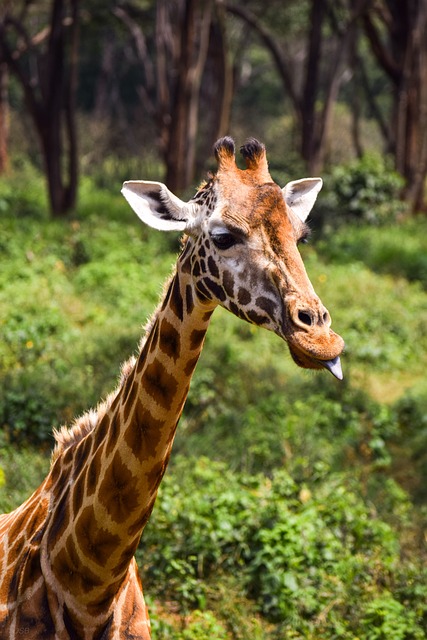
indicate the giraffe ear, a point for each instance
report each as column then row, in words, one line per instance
column 155, row 205
column 300, row 195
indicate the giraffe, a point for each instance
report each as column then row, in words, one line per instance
column 67, row 567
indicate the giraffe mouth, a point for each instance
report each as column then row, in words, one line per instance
column 308, row 361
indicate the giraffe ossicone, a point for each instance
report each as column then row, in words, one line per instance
column 67, row 567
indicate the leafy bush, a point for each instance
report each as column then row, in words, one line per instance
column 21, row 473
column 367, row 189
column 381, row 319
column 311, row 555
column 387, row 618
column 204, row 625
column 199, row 626
column 411, row 442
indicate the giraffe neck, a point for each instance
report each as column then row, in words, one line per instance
column 98, row 518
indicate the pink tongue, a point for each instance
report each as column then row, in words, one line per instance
column 334, row 367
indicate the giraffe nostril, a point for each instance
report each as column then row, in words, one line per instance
column 325, row 317
column 305, row 318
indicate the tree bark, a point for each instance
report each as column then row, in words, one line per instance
column 188, row 35
column 180, row 156
column 50, row 94
column 403, row 57
column 309, row 125
column 216, row 90
column 4, row 118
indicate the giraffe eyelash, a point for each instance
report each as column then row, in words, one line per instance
column 305, row 236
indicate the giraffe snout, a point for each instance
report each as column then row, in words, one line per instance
column 311, row 341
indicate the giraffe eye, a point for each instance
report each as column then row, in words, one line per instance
column 224, row 240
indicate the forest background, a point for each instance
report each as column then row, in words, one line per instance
column 294, row 506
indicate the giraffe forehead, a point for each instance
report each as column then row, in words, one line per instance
column 252, row 207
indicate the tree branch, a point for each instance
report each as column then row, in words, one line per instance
column 274, row 48
column 381, row 53
column 146, row 88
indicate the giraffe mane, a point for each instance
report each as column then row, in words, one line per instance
column 83, row 425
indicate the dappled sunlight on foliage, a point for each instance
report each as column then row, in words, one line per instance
column 313, row 556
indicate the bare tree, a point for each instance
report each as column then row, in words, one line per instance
column 39, row 47
column 319, row 80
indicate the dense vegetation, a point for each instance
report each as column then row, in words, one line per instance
column 294, row 505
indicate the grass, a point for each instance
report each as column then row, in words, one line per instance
column 399, row 250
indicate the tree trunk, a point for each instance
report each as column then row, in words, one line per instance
column 411, row 124
column 58, row 129
column 180, row 155
column 345, row 41
column 309, row 124
column 50, row 95
column 4, row 118
column 356, row 103
column 313, row 123
column 103, row 84
column 404, row 59
column 216, row 90
column 225, row 74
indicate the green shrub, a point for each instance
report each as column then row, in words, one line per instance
column 113, row 170
column 387, row 618
column 198, row 625
column 411, row 442
column 367, row 189
column 311, row 547
column 204, row 625
column 300, row 550
column 73, row 294
column 381, row 319
column 22, row 472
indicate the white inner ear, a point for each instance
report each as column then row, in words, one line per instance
column 300, row 195
column 155, row 205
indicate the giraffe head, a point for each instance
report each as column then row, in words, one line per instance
column 242, row 252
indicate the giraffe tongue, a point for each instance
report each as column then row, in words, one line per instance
column 334, row 367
